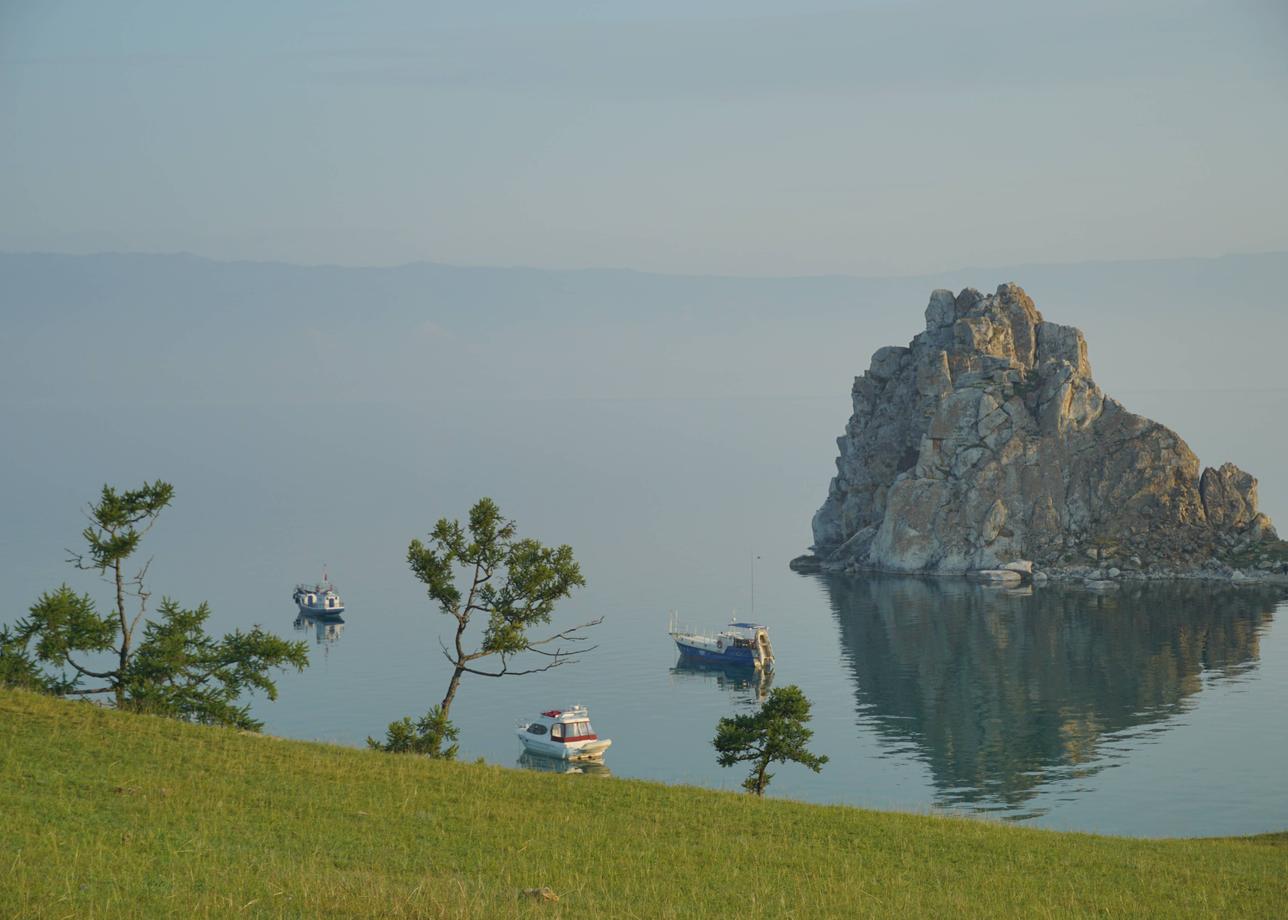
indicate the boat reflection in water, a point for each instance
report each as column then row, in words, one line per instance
column 530, row 761
column 327, row 629
column 746, row 684
column 1001, row 693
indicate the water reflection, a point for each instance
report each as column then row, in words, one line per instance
column 1003, row 692
column 326, row 629
column 745, row 684
column 530, row 761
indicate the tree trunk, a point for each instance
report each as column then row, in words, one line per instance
column 447, row 702
column 451, row 689
column 125, row 636
column 760, row 777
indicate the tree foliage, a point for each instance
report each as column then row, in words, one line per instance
column 19, row 669
column 775, row 733
column 181, row 672
column 426, row 735
column 173, row 668
column 485, row 571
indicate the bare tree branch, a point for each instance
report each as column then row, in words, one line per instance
column 560, row 653
column 506, row 672
column 567, row 634
column 446, row 653
column 77, row 561
column 88, row 672
column 464, row 615
column 142, row 595
column 461, row 657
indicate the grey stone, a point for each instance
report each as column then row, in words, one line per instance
column 852, row 550
column 996, row 576
column 941, row 312
column 886, row 361
column 986, row 439
column 1229, row 496
column 805, row 563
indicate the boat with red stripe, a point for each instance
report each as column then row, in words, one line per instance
column 565, row 734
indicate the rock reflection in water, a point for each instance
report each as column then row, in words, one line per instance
column 326, row 629
column 1003, row 692
column 745, row 684
column 530, row 761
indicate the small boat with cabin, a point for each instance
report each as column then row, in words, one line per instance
column 319, row 599
column 564, row 734
column 745, row 644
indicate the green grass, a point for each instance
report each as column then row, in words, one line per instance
column 107, row 814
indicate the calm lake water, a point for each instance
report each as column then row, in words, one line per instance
column 1149, row 711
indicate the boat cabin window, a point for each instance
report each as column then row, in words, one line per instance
column 536, row 729
column 557, row 731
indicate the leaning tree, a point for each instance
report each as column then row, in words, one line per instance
column 171, row 666
column 485, row 571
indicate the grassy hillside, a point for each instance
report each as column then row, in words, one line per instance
column 105, row 814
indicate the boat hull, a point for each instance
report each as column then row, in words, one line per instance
column 579, row 750
column 320, row 611
column 542, row 764
column 737, row 657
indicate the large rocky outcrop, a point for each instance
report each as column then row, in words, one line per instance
column 987, row 440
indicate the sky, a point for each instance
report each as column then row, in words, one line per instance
column 739, row 138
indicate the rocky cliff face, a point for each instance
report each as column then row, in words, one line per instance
column 986, row 440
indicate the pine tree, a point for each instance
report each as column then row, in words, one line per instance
column 775, row 733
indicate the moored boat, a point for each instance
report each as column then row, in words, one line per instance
column 745, row 644
column 564, row 734
column 319, row 599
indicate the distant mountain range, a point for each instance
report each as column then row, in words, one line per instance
column 132, row 328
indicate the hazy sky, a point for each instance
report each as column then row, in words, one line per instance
column 732, row 137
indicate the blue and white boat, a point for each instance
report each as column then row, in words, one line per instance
column 744, row 644
column 319, row 599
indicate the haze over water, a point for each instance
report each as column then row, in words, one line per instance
column 1155, row 712
column 720, row 207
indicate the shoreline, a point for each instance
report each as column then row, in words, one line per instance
column 1086, row 576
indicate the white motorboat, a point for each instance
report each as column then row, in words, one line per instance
column 318, row 599
column 564, row 734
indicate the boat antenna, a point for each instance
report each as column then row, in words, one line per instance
column 754, row 557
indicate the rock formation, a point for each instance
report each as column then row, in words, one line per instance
column 986, row 440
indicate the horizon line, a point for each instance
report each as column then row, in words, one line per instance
column 609, row 269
